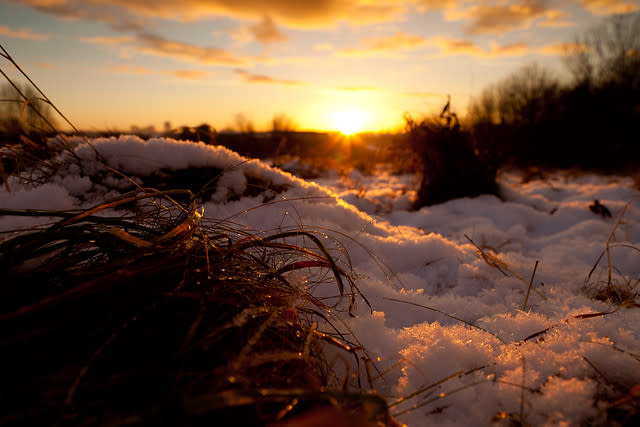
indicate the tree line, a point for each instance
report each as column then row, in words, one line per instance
column 590, row 120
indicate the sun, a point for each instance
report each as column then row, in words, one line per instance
column 349, row 122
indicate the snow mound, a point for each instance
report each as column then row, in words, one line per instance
column 444, row 320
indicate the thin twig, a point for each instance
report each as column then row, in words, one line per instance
column 524, row 305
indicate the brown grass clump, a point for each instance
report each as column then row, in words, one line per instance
column 158, row 318
column 617, row 288
column 452, row 166
column 138, row 311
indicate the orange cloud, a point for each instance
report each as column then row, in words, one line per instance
column 156, row 45
column 260, row 78
column 491, row 18
column 293, row 13
column 607, row 7
column 556, row 19
column 264, row 31
column 466, row 47
column 139, row 70
column 385, row 45
column 153, row 44
column 187, row 74
column 513, row 49
column 431, row 5
column 97, row 10
column 480, row 16
column 486, row 17
column 563, row 49
column 61, row 8
column 456, row 46
column 109, row 41
column 23, row 33
column 127, row 69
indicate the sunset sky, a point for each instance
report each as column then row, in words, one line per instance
column 110, row 64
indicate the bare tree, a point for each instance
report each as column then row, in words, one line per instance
column 484, row 109
column 608, row 53
column 524, row 96
column 281, row 123
column 521, row 98
column 282, row 127
column 243, row 124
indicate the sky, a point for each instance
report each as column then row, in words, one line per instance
column 346, row 65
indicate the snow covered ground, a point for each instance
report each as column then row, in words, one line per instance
column 440, row 311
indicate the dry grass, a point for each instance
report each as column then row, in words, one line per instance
column 617, row 288
column 139, row 311
column 155, row 316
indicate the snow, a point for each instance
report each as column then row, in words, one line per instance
column 438, row 307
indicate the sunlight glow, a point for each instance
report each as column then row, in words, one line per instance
column 349, row 122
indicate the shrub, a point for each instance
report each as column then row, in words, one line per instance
column 452, row 165
column 163, row 317
column 530, row 119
